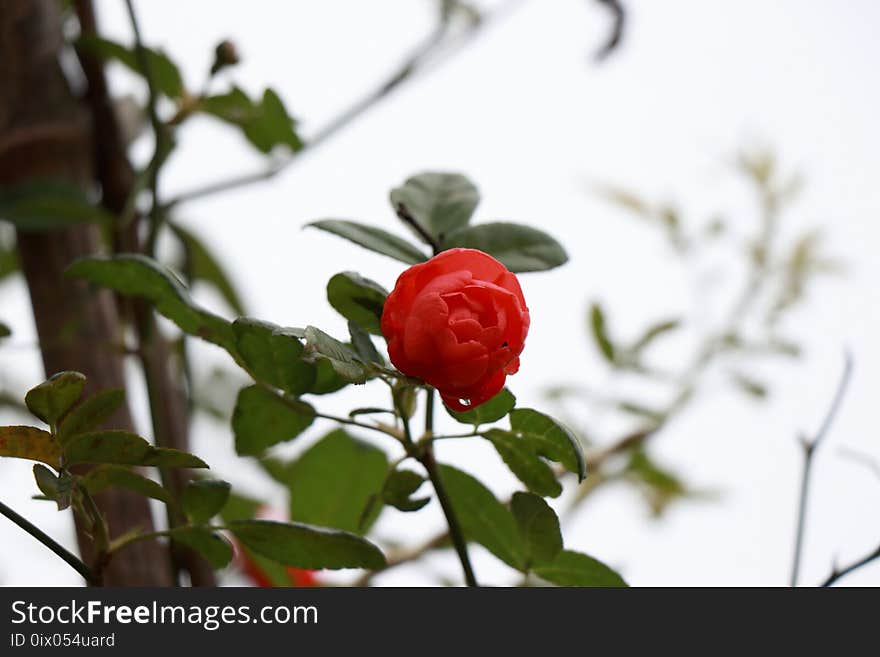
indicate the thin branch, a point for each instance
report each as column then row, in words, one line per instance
column 838, row 573
column 418, row 63
column 809, row 448
column 455, row 531
column 159, row 130
column 73, row 561
column 406, row 217
column 618, row 14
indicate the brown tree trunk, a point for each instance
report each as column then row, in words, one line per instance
column 44, row 133
column 168, row 403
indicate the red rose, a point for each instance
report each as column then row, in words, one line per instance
column 458, row 322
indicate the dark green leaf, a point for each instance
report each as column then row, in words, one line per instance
column 8, row 260
column 441, row 203
column 240, row 507
column 399, row 488
column 520, row 248
column 262, row 419
column 124, row 448
column 273, row 355
column 211, row 545
column 91, row 413
column 136, row 275
column 519, row 455
column 550, row 439
column 51, row 400
column 164, row 73
column 40, row 206
column 538, row 528
column 600, row 333
column 165, row 457
column 265, row 124
column 103, row 477
column 304, row 546
column 373, row 239
column 571, row 568
column 203, row 499
column 327, row 380
column 358, row 299
column 363, row 345
column 331, row 483
column 490, row 411
column 202, row 265
column 483, row 518
column 5, row 331
column 342, row 358
column 30, row 443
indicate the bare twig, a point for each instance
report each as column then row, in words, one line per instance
column 437, row 44
column 618, row 14
column 50, row 543
column 838, row 573
column 809, row 447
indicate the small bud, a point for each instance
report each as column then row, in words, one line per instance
column 225, row 54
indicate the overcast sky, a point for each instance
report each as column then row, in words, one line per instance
column 528, row 115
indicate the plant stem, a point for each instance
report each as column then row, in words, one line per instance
column 429, row 412
column 73, row 561
column 841, row 572
column 810, row 447
column 458, row 540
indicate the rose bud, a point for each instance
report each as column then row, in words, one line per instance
column 459, row 323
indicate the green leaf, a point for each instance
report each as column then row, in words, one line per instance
column 46, row 205
column 373, row 239
column 571, row 568
column 203, row 499
column 165, row 457
column 52, row 399
column 520, row 248
column 123, row 448
column 483, row 518
column 136, row 275
column 342, row 358
column 240, row 507
column 363, row 345
column 103, row 477
column 358, row 299
column 262, row 419
column 399, row 488
column 653, row 332
column 265, row 124
column 490, row 411
column 327, row 380
column 8, row 260
column 5, row 331
column 331, row 483
column 538, row 528
column 211, row 545
column 519, row 455
column 440, row 203
column 549, row 438
column 303, row 546
column 273, row 355
column 200, row 264
column 600, row 333
column 749, row 385
column 30, row 443
column 91, row 413
column 164, row 73
column 52, row 486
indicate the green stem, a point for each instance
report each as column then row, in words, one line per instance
column 73, row 561
column 429, row 413
column 455, row 532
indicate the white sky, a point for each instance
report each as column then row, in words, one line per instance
column 531, row 119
